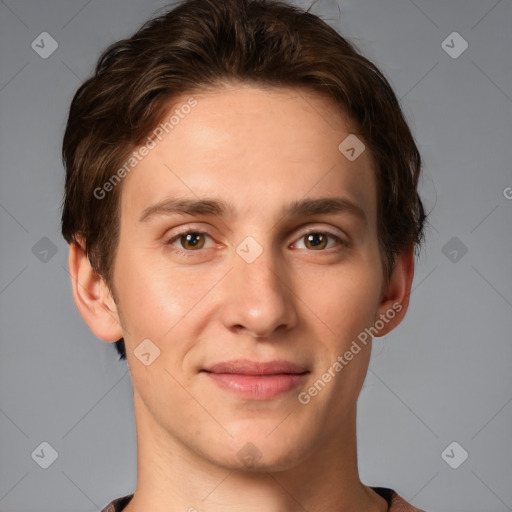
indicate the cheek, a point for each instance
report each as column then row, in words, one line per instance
column 145, row 298
column 345, row 310
column 154, row 294
column 344, row 300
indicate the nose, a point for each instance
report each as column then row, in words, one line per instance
column 259, row 297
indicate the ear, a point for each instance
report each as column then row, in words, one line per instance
column 395, row 296
column 92, row 296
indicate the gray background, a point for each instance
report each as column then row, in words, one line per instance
column 443, row 375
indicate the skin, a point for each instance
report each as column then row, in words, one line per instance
column 257, row 149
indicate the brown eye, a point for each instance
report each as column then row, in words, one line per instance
column 318, row 240
column 190, row 241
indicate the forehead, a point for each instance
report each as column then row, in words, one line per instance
column 255, row 147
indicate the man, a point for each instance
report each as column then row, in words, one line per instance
column 242, row 214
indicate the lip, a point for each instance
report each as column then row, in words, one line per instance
column 257, row 380
column 248, row 367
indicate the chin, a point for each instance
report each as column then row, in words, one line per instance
column 261, row 463
column 260, row 452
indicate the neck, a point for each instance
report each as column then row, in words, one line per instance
column 171, row 477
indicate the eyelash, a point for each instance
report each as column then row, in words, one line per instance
column 189, row 253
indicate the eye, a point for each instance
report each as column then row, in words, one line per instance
column 190, row 241
column 318, row 240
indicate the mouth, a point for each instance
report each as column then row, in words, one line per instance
column 257, row 380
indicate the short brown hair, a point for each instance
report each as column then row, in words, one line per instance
column 199, row 45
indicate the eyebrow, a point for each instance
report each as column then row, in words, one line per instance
column 219, row 207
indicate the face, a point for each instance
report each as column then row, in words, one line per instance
column 249, row 301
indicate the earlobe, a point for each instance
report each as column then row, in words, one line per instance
column 92, row 296
column 395, row 297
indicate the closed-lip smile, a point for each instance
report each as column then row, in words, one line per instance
column 255, row 379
